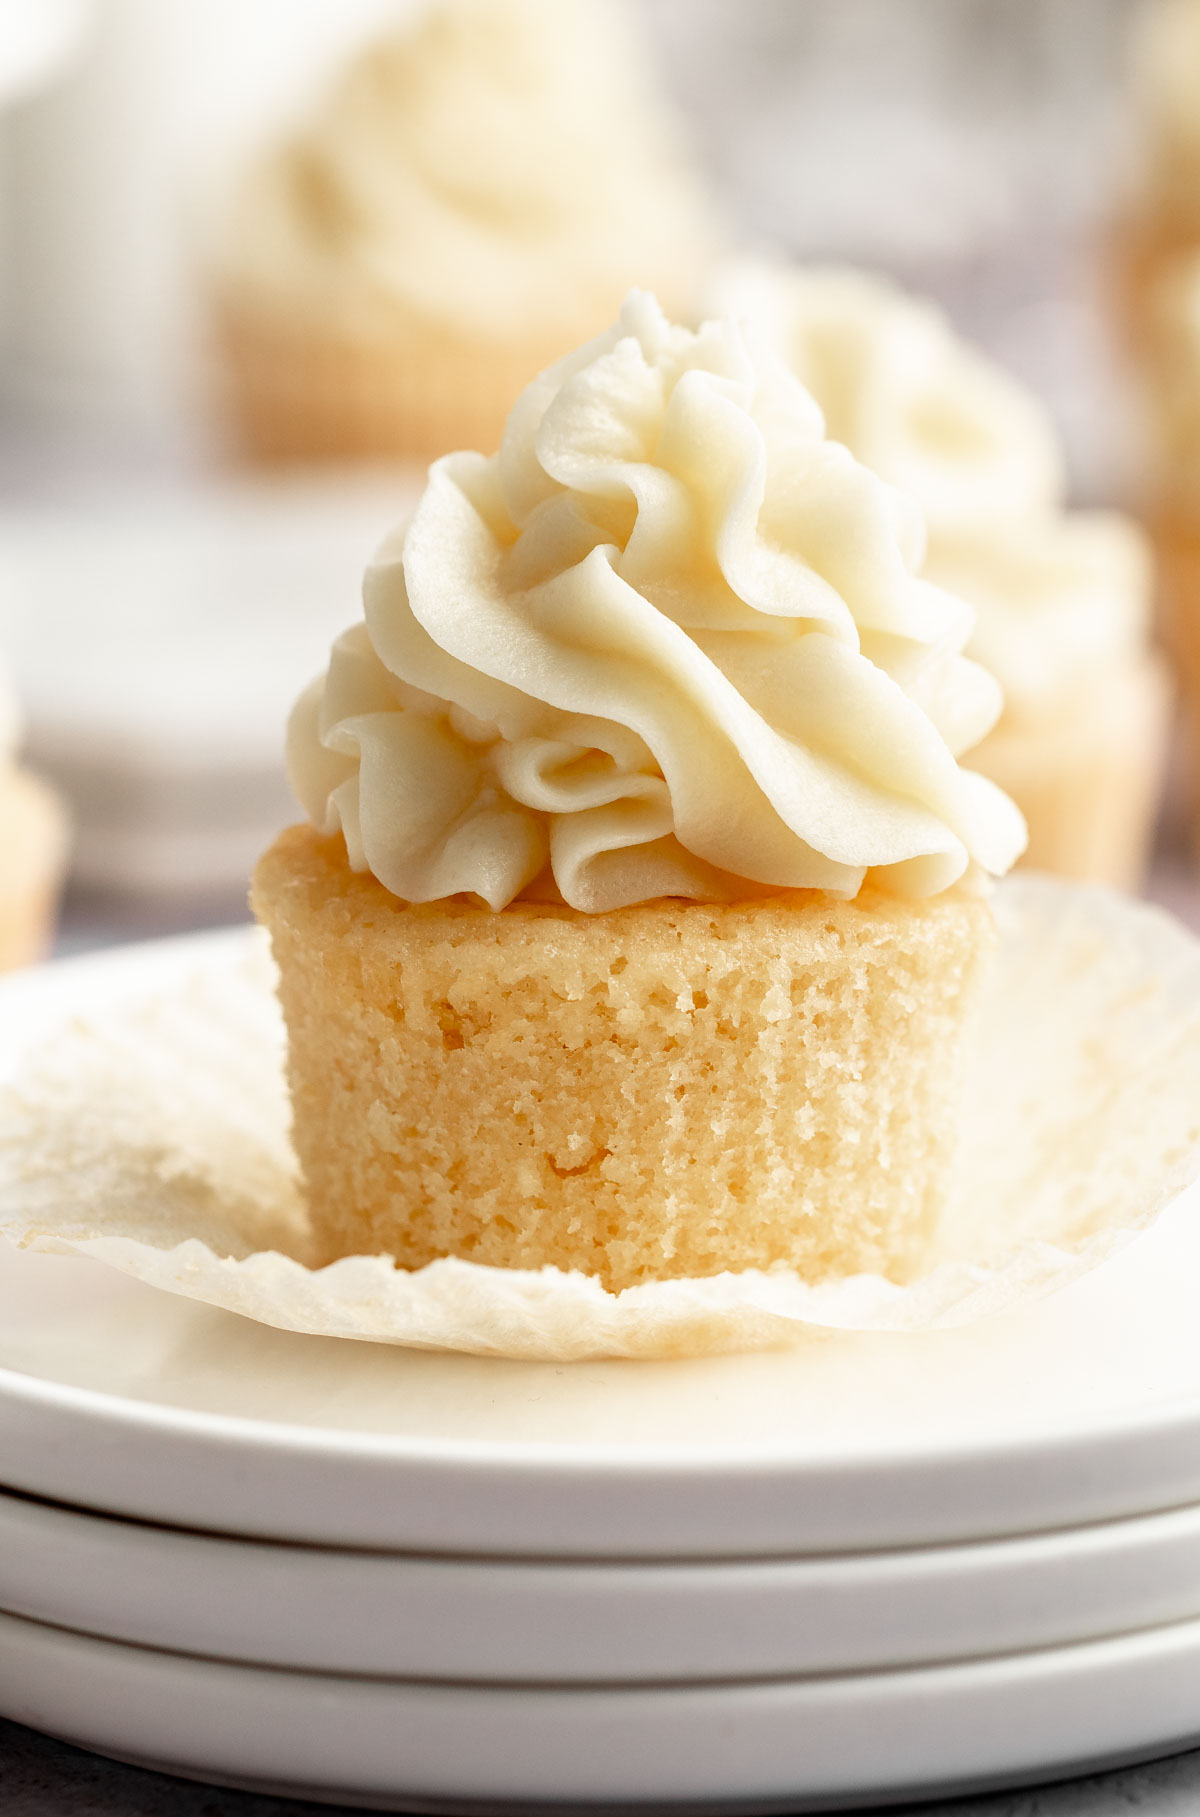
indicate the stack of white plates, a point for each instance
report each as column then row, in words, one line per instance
column 868, row 1569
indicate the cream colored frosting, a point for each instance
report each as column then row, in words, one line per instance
column 903, row 392
column 669, row 641
column 501, row 168
column 1058, row 602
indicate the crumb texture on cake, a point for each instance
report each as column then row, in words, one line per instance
column 670, row 1089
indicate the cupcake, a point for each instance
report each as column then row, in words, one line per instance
column 473, row 198
column 1062, row 598
column 1062, row 620
column 33, row 838
column 1158, row 283
column 1161, row 219
column 1171, row 375
column 643, row 897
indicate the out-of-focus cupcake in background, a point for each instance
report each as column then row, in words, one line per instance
column 33, row 848
column 1157, row 269
column 1161, row 219
column 1063, row 622
column 1062, row 598
column 473, row 197
column 1169, row 367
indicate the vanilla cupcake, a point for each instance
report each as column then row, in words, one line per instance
column 1063, row 616
column 642, row 903
column 1161, row 218
column 33, row 840
column 1171, row 372
column 1062, row 598
column 1169, row 368
column 474, row 197
column 1158, row 283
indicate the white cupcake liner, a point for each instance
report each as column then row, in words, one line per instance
column 155, row 1139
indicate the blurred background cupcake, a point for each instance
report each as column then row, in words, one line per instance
column 472, row 198
column 1063, row 599
column 1158, row 286
column 1170, row 367
column 1064, row 612
column 1161, row 218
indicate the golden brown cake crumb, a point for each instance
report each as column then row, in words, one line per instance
column 670, row 1089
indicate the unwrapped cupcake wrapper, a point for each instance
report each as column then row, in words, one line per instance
column 295, row 391
column 1089, row 785
column 156, row 1140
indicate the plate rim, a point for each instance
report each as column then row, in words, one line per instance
column 1178, row 1416
column 1056, row 1674
column 245, row 1600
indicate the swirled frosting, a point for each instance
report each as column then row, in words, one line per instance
column 903, row 392
column 669, row 641
column 500, row 168
column 1058, row 601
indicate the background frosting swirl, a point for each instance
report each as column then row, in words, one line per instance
column 496, row 168
column 670, row 641
column 1059, row 602
column 899, row 387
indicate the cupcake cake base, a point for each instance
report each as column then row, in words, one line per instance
column 670, row 1089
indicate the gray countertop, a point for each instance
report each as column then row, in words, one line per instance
column 43, row 1778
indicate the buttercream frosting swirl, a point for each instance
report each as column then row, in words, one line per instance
column 669, row 641
column 500, row 168
column 903, row 391
column 1058, row 601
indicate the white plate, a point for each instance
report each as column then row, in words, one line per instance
column 115, row 1396
column 805, row 1743
column 509, row 1620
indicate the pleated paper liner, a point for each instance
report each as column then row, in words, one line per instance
column 155, row 1138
